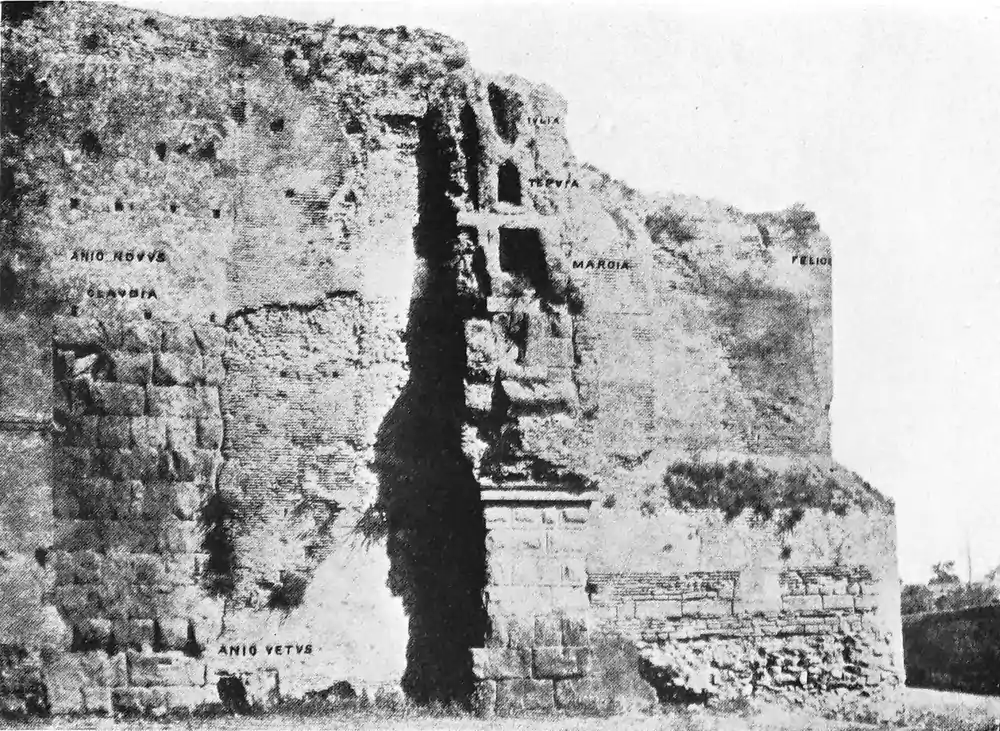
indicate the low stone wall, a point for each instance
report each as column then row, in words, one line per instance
column 958, row 650
column 710, row 632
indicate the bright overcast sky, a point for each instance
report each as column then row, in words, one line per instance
column 884, row 122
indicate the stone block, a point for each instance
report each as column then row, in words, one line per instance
column 548, row 630
column 72, row 535
column 803, row 603
column 492, row 663
column 179, row 337
column 139, row 701
column 581, row 695
column 527, row 516
column 484, row 698
column 866, row 602
column 206, row 402
column 67, row 674
column 211, row 338
column 84, row 431
column 72, row 463
column 575, row 515
column 123, row 399
column 182, row 434
column 573, row 571
column 97, row 701
column 171, row 499
column 150, row 432
column 560, row 662
column 159, row 700
column 521, row 631
column 838, row 601
column 707, row 608
column 758, row 591
column 100, row 498
column 567, row 541
column 206, row 464
column 214, row 369
column 178, row 465
column 179, row 537
column 129, row 367
column 87, row 567
column 659, row 609
column 173, row 633
column 141, row 336
column 164, row 669
column 575, row 630
column 498, row 568
column 178, row 369
column 115, row 432
column 175, row 401
column 129, row 464
column 524, row 694
column 531, row 570
column 209, row 432
column 526, row 540
column 497, row 515
column 498, row 635
column 72, row 331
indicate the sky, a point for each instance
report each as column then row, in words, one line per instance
column 885, row 121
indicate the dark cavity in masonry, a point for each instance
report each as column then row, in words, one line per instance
column 509, row 183
column 90, row 144
column 521, row 254
column 506, row 108
column 440, row 570
column 471, row 151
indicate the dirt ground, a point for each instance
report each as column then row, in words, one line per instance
column 922, row 710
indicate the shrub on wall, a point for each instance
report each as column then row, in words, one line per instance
column 739, row 487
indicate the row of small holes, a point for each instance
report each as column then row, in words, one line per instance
column 74, row 311
column 74, row 203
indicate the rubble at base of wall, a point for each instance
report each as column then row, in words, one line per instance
column 156, row 684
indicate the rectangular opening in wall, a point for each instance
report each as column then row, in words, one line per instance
column 521, row 254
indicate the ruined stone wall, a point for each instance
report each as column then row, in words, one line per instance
column 331, row 367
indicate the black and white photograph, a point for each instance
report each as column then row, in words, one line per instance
column 440, row 365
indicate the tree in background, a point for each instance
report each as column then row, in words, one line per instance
column 944, row 573
column 916, row 598
column 945, row 591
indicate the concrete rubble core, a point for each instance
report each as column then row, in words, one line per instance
column 330, row 371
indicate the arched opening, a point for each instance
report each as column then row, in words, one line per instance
column 509, row 183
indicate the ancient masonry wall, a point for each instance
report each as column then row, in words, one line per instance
column 135, row 458
column 304, row 323
column 819, row 632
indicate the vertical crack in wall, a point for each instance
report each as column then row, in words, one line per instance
column 436, row 541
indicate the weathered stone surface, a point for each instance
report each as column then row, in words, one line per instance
column 123, row 399
column 315, row 373
column 525, row 694
column 484, row 700
column 561, row 662
column 131, row 367
column 164, row 669
column 492, row 663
